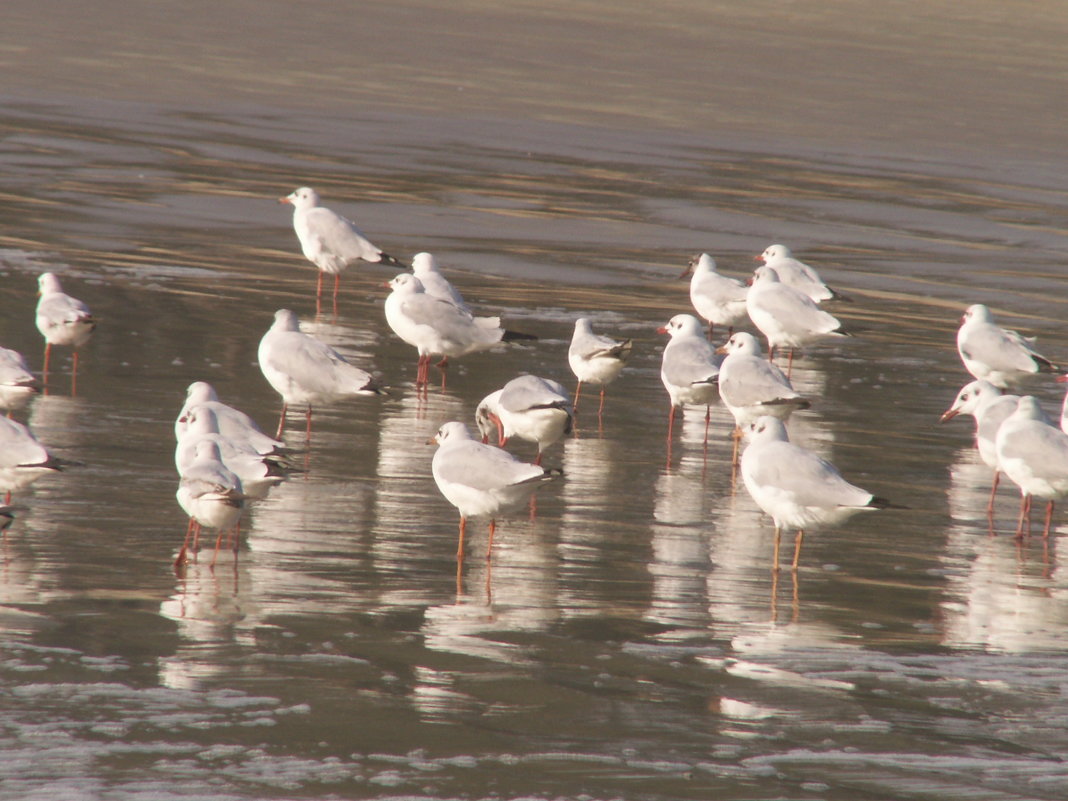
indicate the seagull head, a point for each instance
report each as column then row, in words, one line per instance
column 774, row 253
column 285, row 320
column 977, row 313
column 743, row 343
column 764, row 275
column 682, row 325
column 303, row 198
column 406, row 284
column 768, row 429
column 48, row 284
column 970, row 397
column 451, row 433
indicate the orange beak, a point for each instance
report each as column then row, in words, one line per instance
column 284, row 200
column 949, row 414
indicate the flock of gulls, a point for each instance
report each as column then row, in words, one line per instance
column 224, row 460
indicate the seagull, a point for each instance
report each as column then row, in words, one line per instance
column 797, row 274
column 786, row 316
column 689, row 367
column 996, row 354
column 425, row 268
column 984, row 402
column 436, row 327
column 595, row 359
column 718, row 298
column 329, row 241
column 258, row 473
column 797, row 488
column 23, row 459
column 17, row 384
column 211, row 495
column 531, row 408
column 234, row 424
column 62, row 320
column 481, row 480
column 303, row 369
column 1033, row 453
column 751, row 386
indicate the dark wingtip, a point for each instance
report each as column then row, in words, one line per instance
column 385, row 258
column 883, row 503
column 518, row 336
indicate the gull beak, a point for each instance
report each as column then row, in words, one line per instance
column 662, row 329
column 284, row 200
column 686, row 272
column 948, row 415
column 722, row 349
column 758, row 258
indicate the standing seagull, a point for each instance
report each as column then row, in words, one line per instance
column 436, row 327
column 62, row 320
column 797, row 488
column 689, row 368
column 233, row 423
column 1033, row 453
column 996, row 354
column 17, row 384
column 528, row 407
column 481, row 480
column 797, row 274
column 984, row 402
column 211, row 495
column 303, row 369
column 425, row 268
column 595, row 359
column 23, row 459
column 786, row 316
column 718, row 298
column 329, row 241
column 751, row 386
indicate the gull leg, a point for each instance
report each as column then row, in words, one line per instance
column 307, row 430
column 993, row 492
column 282, row 421
column 1020, row 519
column 443, row 365
column 797, row 547
column 578, row 391
column 337, row 286
column 600, row 409
column 775, row 555
column 74, row 375
column 492, row 531
column 1049, row 519
column 44, row 371
column 319, row 294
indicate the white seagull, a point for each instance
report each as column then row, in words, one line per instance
column 425, row 268
column 718, row 298
column 233, row 423
column 795, row 487
column 985, row 403
column 258, row 473
column 436, row 327
column 482, row 480
column 17, row 384
column 595, row 359
column 62, row 320
column 329, row 241
column 689, row 367
column 302, row 369
column 996, row 354
column 1033, row 453
column 528, row 407
column 797, row 274
column 750, row 386
column 211, row 495
column 786, row 316
column 23, row 459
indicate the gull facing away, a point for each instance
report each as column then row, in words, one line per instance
column 62, row 320
column 998, row 355
column 482, row 480
column 689, row 368
column 425, row 268
column 302, row 369
column 17, row 384
column 23, row 459
column 329, row 241
column 211, row 495
column 750, row 386
column 786, row 316
column 595, row 359
column 531, row 408
column 984, row 402
column 1033, row 453
column 436, row 327
column 233, row 423
column 797, row 274
column 795, row 487
column 718, row 299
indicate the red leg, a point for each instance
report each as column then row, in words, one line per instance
column 74, row 375
column 307, row 430
column 1049, row 518
column 443, row 365
column 281, row 421
column 1023, row 513
column 578, row 391
column 797, row 547
column 460, row 545
column 492, row 531
column 600, row 409
column 47, row 357
column 790, row 364
column 319, row 294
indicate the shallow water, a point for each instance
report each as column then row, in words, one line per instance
column 630, row 641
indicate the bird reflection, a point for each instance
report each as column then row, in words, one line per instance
column 1002, row 596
